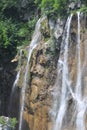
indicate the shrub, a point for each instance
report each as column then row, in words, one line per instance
column 8, row 122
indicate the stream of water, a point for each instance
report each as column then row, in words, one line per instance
column 81, row 102
column 63, row 99
column 35, row 40
column 15, row 84
column 63, row 81
column 18, row 73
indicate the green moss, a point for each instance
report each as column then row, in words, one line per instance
column 45, row 29
column 51, row 47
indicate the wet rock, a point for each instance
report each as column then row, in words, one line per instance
column 72, row 5
column 42, row 76
column 43, row 59
column 58, row 28
column 45, row 29
column 37, row 81
column 34, row 93
column 41, row 118
column 29, row 119
column 50, row 126
column 38, row 69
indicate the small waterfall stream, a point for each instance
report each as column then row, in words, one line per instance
column 63, row 99
column 18, row 73
column 81, row 103
column 15, row 84
column 78, row 82
column 35, row 40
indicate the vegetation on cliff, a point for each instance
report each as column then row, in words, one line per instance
column 53, row 7
column 18, row 18
column 8, row 122
column 17, row 22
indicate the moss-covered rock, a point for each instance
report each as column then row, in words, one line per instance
column 45, row 28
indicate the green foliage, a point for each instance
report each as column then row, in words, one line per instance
column 2, row 121
column 14, row 34
column 61, row 6
column 11, row 122
column 83, row 9
column 7, row 4
column 53, row 7
column 8, row 35
column 14, row 31
column 84, row 2
column 24, row 32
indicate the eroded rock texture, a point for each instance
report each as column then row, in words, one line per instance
column 43, row 68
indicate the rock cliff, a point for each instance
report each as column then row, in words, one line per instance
column 43, row 73
column 42, row 76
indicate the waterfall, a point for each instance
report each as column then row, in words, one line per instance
column 78, row 83
column 63, row 86
column 15, row 83
column 81, row 103
column 63, row 99
column 18, row 73
column 35, row 40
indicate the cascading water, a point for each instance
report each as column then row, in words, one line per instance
column 81, row 103
column 15, row 83
column 35, row 40
column 18, row 74
column 63, row 99
column 78, row 83
column 64, row 84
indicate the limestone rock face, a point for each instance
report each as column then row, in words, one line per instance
column 43, row 65
column 42, row 78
